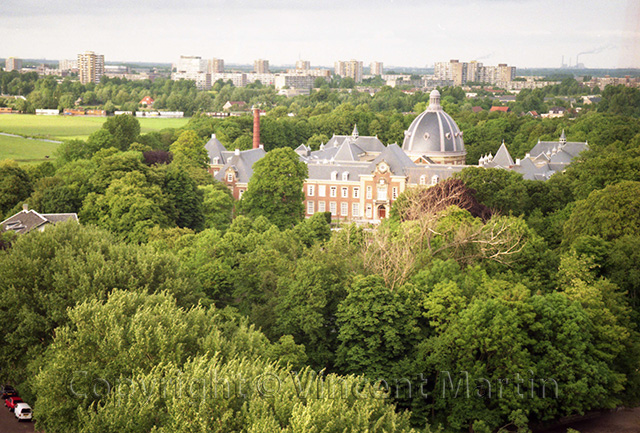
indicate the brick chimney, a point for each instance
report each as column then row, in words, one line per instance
column 256, row 128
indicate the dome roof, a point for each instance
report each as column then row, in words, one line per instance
column 433, row 132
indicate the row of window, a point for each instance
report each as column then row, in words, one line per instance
column 333, row 208
column 344, row 209
column 381, row 191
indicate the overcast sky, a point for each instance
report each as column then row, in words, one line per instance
column 533, row 33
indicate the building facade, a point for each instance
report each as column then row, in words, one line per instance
column 193, row 68
column 12, row 64
column 376, row 68
column 351, row 69
column 90, row 67
column 304, row 65
column 216, row 66
column 261, row 66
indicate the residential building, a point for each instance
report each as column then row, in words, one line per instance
column 376, row 68
column 459, row 73
column 351, row 69
column 238, row 79
column 267, row 79
column 27, row 220
column 12, row 64
column 294, row 81
column 67, row 65
column 90, row 67
column 193, row 68
column 303, row 65
column 261, row 66
column 216, row 66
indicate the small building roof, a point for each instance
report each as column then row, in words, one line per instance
column 28, row 219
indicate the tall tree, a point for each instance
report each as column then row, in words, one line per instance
column 15, row 185
column 275, row 189
column 124, row 128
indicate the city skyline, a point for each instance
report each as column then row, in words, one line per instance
column 398, row 33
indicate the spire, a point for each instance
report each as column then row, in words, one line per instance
column 354, row 134
column 563, row 138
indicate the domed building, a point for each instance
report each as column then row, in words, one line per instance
column 434, row 137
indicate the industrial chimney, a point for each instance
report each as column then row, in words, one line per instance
column 256, row 128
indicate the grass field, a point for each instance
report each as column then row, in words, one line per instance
column 25, row 150
column 58, row 128
column 68, row 127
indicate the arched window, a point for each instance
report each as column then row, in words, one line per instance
column 423, row 180
column 334, row 175
column 345, row 175
column 435, row 179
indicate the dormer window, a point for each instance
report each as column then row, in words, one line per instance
column 423, row 180
column 345, row 175
column 216, row 160
column 435, row 179
column 230, row 176
column 334, row 175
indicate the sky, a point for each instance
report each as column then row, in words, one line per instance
column 412, row 33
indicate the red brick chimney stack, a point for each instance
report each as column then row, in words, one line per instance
column 256, row 127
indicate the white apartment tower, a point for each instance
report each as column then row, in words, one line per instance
column 376, row 68
column 303, row 65
column 90, row 67
column 352, row 69
column 12, row 64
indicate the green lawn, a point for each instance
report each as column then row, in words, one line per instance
column 69, row 127
column 24, row 150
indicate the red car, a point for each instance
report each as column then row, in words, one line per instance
column 11, row 402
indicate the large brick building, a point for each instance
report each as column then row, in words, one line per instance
column 358, row 178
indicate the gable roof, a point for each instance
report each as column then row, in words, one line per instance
column 501, row 109
column 28, row 219
column 241, row 163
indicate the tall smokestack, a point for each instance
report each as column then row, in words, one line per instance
column 256, row 128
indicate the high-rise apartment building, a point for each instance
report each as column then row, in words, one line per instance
column 351, row 69
column 460, row 73
column 261, row 66
column 303, row 64
column 12, row 64
column 193, row 68
column 216, row 66
column 90, row 67
column 376, row 68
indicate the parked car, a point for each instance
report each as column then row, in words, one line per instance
column 23, row 412
column 8, row 391
column 11, row 402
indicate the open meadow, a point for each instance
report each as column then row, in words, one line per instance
column 58, row 128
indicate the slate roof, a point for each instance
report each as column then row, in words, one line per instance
column 442, row 171
column 215, row 149
column 503, row 157
column 27, row 220
column 322, row 171
column 395, row 157
column 241, row 163
column 348, row 151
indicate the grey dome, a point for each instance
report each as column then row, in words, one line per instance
column 433, row 132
